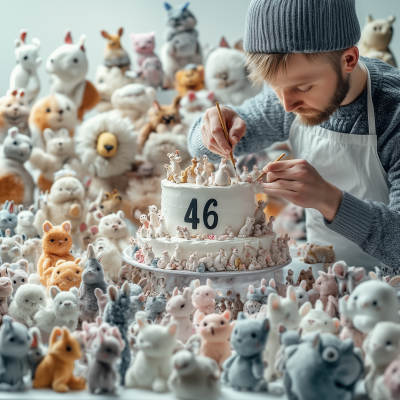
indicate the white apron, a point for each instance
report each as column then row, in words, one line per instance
column 351, row 163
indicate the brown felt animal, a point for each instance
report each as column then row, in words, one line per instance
column 114, row 54
column 190, row 78
column 65, row 275
column 56, row 369
column 306, row 275
column 56, row 243
column 161, row 119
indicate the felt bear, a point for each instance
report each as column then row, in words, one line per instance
column 5, row 292
column 194, row 377
column 92, row 278
column 381, row 347
column 189, row 78
column 375, row 39
column 56, row 369
column 160, row 119
column 24, row 75
column 54, row 112
column 65, row 275
column 37, row 351
column 203, row 299
column 106, row 145
column 370, row 302
column 133, row 101
column 327, row 289
column 102, row 373
column 64, row 310
column 226, row 76
column 26, row 303
column 25, row 220
column 244, row 369
column 56, row 244
column 326, row 358
column 143, row 45
column 114, row 54
column 180, row 308
column 215, row 331
column 115, row 313
column 18, row 276
column 151, row 367
column 59, row 150
column 15, row 341
column 14, row 111
column 66, row 201
column 8, row 220
column 314, row 319
column 68, row 66
column 16, row 182
column 194, row 104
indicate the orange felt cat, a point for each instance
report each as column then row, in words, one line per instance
column 56, row 369
column 189, row 78
column 65, row 275
column 56, row 243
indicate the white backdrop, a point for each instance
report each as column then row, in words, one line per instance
column 49, row 19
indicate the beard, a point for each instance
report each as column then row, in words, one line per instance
column 313, row 117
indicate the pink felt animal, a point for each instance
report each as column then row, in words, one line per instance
column 327, row 289
column 203, row 299
column 392, row 379
column 180, row 308
column 215, row 331
column 349, row 331
column 143, row 44
column 6, row 290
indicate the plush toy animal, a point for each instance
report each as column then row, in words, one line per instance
column 26, row 303
column 391, row 381
column 113, row 228
column 324, row 358
column 203, row 299
column 327, row 289
column 5, row 291
column 301, row 293
column 215, row 331
column 161, row 119
column 37, row 351
column 25, row 222
column 16, row 182
column 92, row 278
column 314, row 254
column 15, row 341
column 114, row 54
column 8, row 220
column 56, row 243
column 143, row 45
column 102, row 372
column 151, row 366
column 18, row 276
column 226, row 76
column 194, row 377
column 375, row 39
column 65, row 275
column 54, row 112
column 10, row 246
column 152, row 72
column 133, row 101
column 64, row 310
column 244, row 369
column 347, row 277
column 193, row 104
column 189, row 78
column 31, row 250
column 370, row 302
column 115, row 314
column 14, row 112
column 111, row 261
column 256, row 297
column 68, row 67
column 306, row 275
column 24, row 75
column 56, row 369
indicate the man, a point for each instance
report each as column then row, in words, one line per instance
column 341, row 115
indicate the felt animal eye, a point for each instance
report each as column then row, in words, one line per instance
column 106, row 224
column 75, row 60
column 47, row 110
column 108, row 350
column 66, row 239
column 330, row 354
column 26, row 300
column 206, row 294
column 119, row 223
column 25, row 57
column 222, row 322
column 40, row 299
column 14, row 282
column 394, row 370
column 355, row 297
column 182, row 306
column 375, row 303
column 101, row 207
column 205, row 324
column 58, row 272
column 15, row 143
column 301, row 296
column 310, row 278
column 98, row 269
column 253, row 335
column 11, row 339
column 38, row 353
column 68, row 109
column 388, row 343
column 21, row 104
column 68, row 348
column 60, row 189
column 52, row 240
column 77, row 272
column 60, row 302
column 23, row 280
column 8, row 105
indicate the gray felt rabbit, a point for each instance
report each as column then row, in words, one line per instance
column 102, row 376
column 37, row 351
column 15, row 341
column 92, row 278
column 8, row 220
column 116, row 314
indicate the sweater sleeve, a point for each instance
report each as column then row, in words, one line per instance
column 266, row 122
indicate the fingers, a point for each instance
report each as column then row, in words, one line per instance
column 281, row 184
column 217, row 132
column 274, row 176
column 283, row 165
column 236, row 130
column 216, row 150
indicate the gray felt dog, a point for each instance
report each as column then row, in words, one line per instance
column 102, row 375
column 347, row 277
column 92, row 278
column 322, row 366
column 155, row 306
column 116, row 314
column 244, row 370
column 15, row 341
column 8, row 220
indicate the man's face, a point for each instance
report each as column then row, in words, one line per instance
column 312, row 90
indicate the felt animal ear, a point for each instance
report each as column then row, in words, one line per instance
column 68, row 37
column 23, row 264
column 200, row 317
column 66, row 226
column 63, row 132
column 372, row 275
column 209, row 283
column 191, row 95
column 391, row 18
column 94, row 229
column 251, row 289
column 98, row 293
column 81, row 42
column 223, row 43
column 18, row 239
column 185, row 6
column 173, row 328
column 241, row 316
column 319, row 305
column 167, row 6
column 54, row 290
column 100, row 336
column 210, row 95
column 394, row 281
column 90, row 252
column 48, row 271
column 77, row 260
column 336, row 324
column 369, row 18
column 141, row 319
column 7, row 322
column 120, row 31
column 339, row 269
column 105, row 35
column 317, row 341
column 175, row 291
column 113, row 293
column 227, row 315
column 20, row 208
column 156, row 106
column 303, row 285
column 98, row 215
column 263, row 289
column 143, row 282
column 281, row 328
column 126, row 289
column 10, row 273
column 142, row 297
column 65, row 336
column 176, row 101
column 305, row 308
column 48, row 134
column 74, row 290
column 31, row 208
column 36, row 337
column 266, row 324
column 274, row 301
column 121, row 214
column 82, row 227
column 59, row 262
column 10, row 207
column 291, row 294
column 358, row 274
column 322, row 273
column 186, row 293
column 196, row 283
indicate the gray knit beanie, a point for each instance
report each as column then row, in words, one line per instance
column 301, row 26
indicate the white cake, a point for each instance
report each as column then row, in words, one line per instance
column 206, row 212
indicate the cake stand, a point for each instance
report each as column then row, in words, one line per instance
column 228, row 282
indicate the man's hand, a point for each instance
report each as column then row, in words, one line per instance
column 213, row 134
column 300, row 183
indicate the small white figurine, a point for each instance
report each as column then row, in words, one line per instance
column 162, row 228
column 232, row 259
column 259, row 215
column 212, row 178
column 245, row 174
column 207, row 261
column 148, row 258
column 204, row 173
column 153, row 216
column 257, row 230
column 186, row 233
column 164, row 260
column 199, row 177
column 176, row 178
column 193, row 262
column 176, row 259
column 179, row 232
column 253, row 263
column 143, row 220
column 220, row 261
column 255, row 173
column 168, row 169
column 221, row 176
column 151, row 232
column 276, row 254
column 191, row 177
column 175, row 159
column 270, row 225
column 245, row 231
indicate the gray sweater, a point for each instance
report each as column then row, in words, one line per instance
column 373, row 226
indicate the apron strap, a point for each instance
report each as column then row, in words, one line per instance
column 370, row 104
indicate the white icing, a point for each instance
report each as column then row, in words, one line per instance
column 235, row 204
